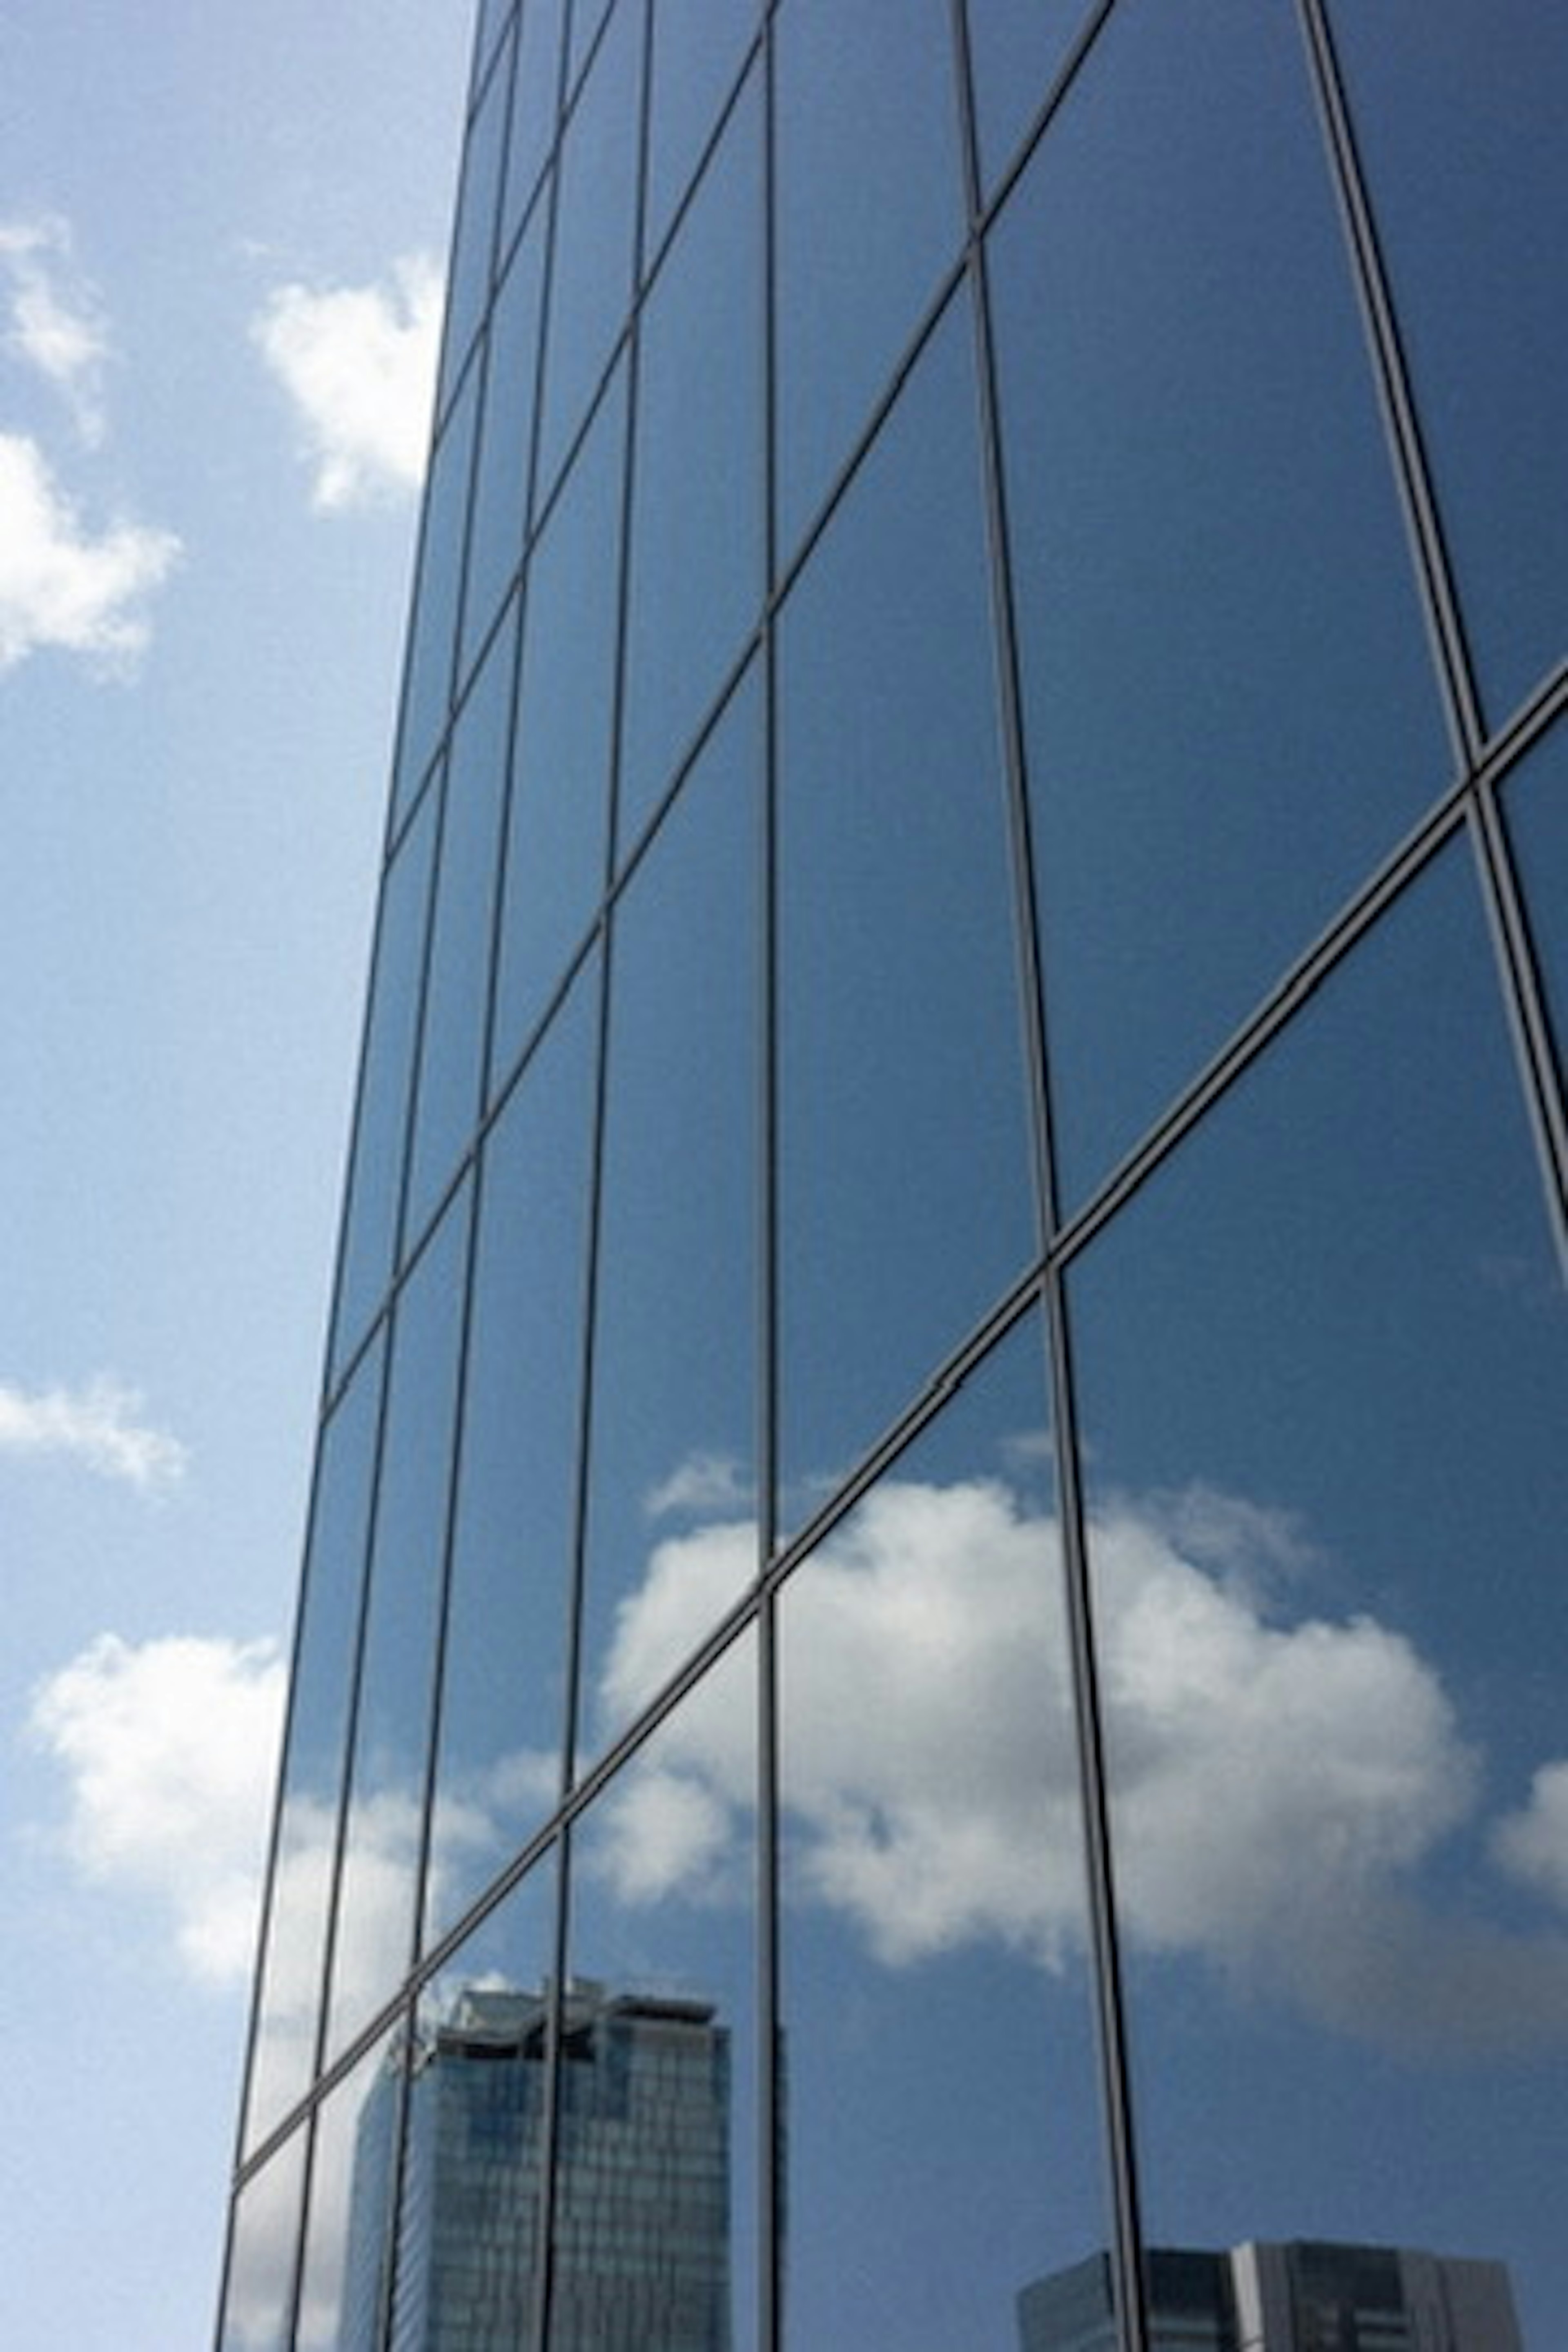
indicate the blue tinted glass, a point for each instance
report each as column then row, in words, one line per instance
column 674, row 1357
column 456, row 985
column 1536, row 803
column 499, row 1768
column 346, row 2271
column 372, row 1928
column 500, row 477
column 697, row 507
column 474, row 238
column 288, row 1998
column 1229, row 699
column 259, row 2285
column 698, row 46
column 594, row 216
column 1016, row 47
column 558, row 829
column 870, row 213
column 432, row 630
column 1459, row 112
column 376, row 1169
column 936, row 1997
column 534, row 106
column 1322, row 1368
column 905, row 1190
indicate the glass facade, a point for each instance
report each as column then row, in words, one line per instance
column 943, row 1436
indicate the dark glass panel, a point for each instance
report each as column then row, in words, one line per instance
column 346, row 2282
column 697, row 506
column 656, row 2196
column 499, row 1768
column 1459, row 112
column 468, row 2222
column 596, row 205
column 462, row 926
column 905, row 1194
column 373, row 1924
column 1016, row 49
column 288, row 1998
column 392, row 1030
column 869, row 212
column 943, row 2139
column 1228, row 701
column 259, row 2288
column 1322, row 1368
column 535, row 100
column 697, row 46
column 674, row 1356
column 1535, row 800
column 474, row 238
column 432, row 630
column 500, row 483
column 558, row 827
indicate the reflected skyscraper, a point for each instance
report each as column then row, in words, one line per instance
column 943, row 1415
column 641, row 2182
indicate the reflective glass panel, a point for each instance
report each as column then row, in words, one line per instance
column 372, row 1930
column 869, row 213
column 499, row 1768
column 533, row 114
column 1016, row 49
column 288, row 1998
column 433, row 626
column 905, row 1195
column 473, row 241
column 1459, row 113
column 462, row 926
column 698, row 46
column 656, row 2200
column 1228, row 695
column 673, row 1422
column 697, row 498
column 501, row 479
column 387, row 1071
column 345, row 2286
column 259, row 2286
column 1322, row 1379
column 558, row 825
column 1536, row 804
column 595, row 203
column 942, row 2141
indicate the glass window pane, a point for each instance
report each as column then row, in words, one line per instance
column 674, row 1411
column 591, row 280
column 698, row 46
column 372, row 1928
column 462, row 924
column 259, row 2286
column 432, row 630
column 942, row 2138
column 345, row 2287
column 1459, row 114
column 289, row 1999
column 474, row 238
column 501, row 481
column 905, row 1194
column 558, row 824
column 1015, row 49
column 499, row 1765
column 1536, row 804
column 656, row 2200
column 870, row 213
column 1228, row 700
column 534, row 110
column 386, row 1076
column 696, row 505
column 1322, row 1378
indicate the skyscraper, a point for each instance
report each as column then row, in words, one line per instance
column 943, row 1421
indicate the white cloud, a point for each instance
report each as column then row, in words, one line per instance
column 62, row 585
column 1284, row 1783
column 359, row 364
column 170, row 1751
column 56, row 322
column 710, row 1485
column 98, row 1426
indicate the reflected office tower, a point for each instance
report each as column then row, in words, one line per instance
column 944, row 1410
column 1301, row 2297
column 641, row 2182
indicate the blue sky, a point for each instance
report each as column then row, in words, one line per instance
column 221, row 236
